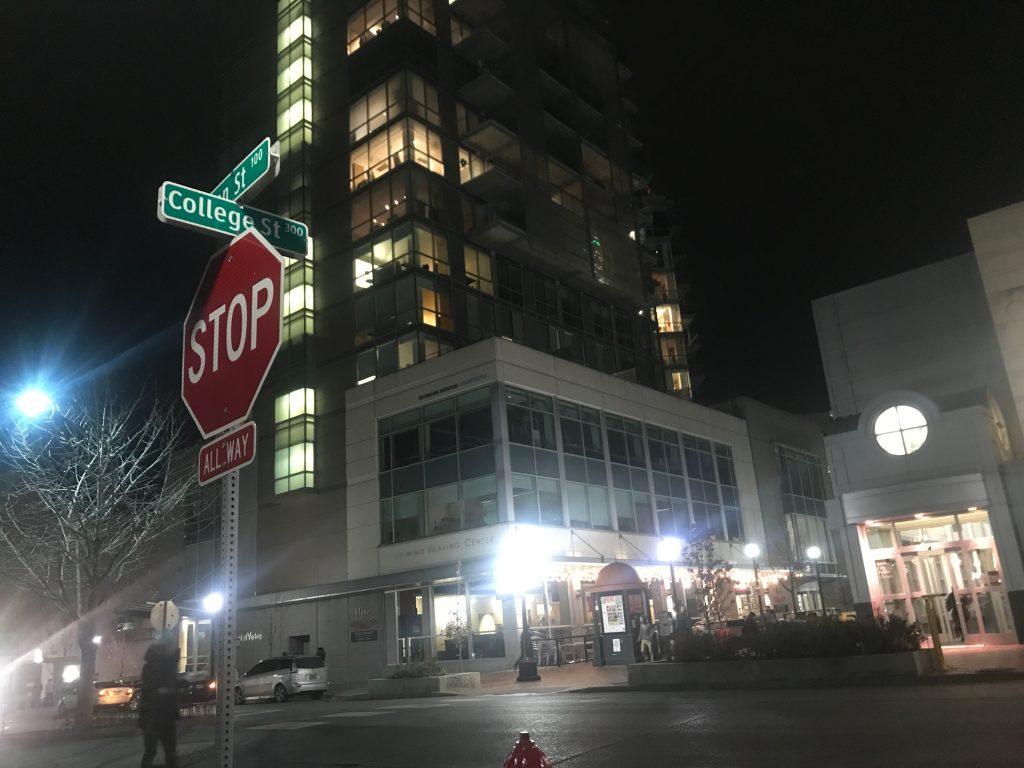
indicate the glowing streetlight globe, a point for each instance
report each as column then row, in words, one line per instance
column 213, row 602
column 97, row 639
column 813, row 552
column 670, row 548
column 752, row 550
column 33, row 402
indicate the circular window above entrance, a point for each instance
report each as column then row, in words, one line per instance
column 901, row 429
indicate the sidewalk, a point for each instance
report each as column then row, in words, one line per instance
column 103, row 748
column 568, row 677
column 983, row 659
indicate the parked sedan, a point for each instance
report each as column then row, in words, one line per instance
column 108, row 694
column 279, row 677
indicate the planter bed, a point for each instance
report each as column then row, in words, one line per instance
column 775, row 672
column 415, row 687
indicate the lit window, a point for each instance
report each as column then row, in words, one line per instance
column 293, row 440
column 299, row 402
column 405, row 140
column 301, row 110
column 678, row 381
column 370, row 20
column 300, row 27
column 901, row 429
column 298, row 298
column 394, row 252
column 668, row 317
column 298, row 69
column 478, row 270
column 297, row 304
column 471, row 165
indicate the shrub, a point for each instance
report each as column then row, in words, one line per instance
column 429, row 668
column 793, row 640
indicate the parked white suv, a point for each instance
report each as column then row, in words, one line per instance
column 279, row 677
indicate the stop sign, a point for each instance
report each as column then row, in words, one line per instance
column 232, row 332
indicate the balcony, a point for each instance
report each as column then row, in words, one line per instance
column 493, row 184
column 477, row 11
column 494, row 140
column 486, row 91
column 482, row 47
column 494, row 229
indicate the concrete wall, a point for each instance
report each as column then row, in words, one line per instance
column 329, row 623
column 926, row 331
column 998, row 238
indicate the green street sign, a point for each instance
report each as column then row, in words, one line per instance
column 203, row 212
column 258, row 169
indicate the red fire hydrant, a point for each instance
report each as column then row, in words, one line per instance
column 526, row 754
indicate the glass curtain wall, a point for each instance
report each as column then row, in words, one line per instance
column 569, row 464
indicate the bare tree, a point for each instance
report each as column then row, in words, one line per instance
column 87, row 495
column 711, row 580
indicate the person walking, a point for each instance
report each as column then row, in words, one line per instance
column 646, row 640
column 158, row 704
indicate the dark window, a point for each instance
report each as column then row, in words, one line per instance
column 475, row 428
column 440, row 438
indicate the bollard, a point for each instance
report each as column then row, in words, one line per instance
column 526, row 754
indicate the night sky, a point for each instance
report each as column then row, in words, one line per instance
column 809, row 147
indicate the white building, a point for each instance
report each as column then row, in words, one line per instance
column 922, row 450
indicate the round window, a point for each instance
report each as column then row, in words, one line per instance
column 901, row 429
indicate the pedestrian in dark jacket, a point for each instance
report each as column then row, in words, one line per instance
column 158, row 704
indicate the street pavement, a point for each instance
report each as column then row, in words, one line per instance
column 968, row 724
column 933, row 725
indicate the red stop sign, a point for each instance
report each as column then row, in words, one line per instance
column 232, row 332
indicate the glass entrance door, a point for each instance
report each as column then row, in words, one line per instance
column 949, row 561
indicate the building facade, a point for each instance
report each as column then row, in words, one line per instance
column 923, row 450
column 468, row 172
column 495, row 459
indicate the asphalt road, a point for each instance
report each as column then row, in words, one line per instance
column 934, row 725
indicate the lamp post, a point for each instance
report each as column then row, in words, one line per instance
column 523, row 558
column 670, row 549
column 212, row 604
column 753, row 551
column 814, row 555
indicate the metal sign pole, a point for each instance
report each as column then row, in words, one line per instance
column 226, row 636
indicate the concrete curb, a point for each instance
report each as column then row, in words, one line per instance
column 955, row 678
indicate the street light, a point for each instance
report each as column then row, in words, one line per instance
column 814, row 554
column 523, row 558
column 213, row 602
column 670, row 548
column 753, row 551
column 33, row 402
column 97, row 639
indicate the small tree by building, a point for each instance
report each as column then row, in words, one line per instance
column 87, row 496
column 711, row 580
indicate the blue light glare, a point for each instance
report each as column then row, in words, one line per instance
column 33, row 402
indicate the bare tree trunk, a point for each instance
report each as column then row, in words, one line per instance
column 87, row 671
